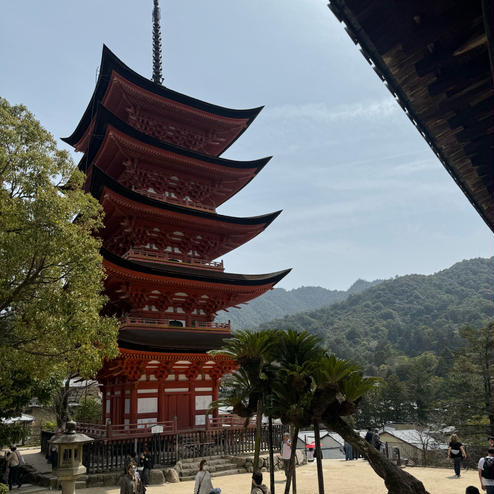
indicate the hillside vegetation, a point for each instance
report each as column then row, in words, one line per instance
column 407, row 315
column 280, row 302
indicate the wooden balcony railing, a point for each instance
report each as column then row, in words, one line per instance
column 147, row 322
column 140, row 254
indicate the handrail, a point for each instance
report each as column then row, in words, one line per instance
column 139, row 253
column 147, row 321
column 101, row 431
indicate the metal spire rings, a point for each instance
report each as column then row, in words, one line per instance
column 157, row 56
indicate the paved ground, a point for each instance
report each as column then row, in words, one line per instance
column 340, row 476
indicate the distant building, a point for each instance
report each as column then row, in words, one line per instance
column 331, row 443
column 410, row 440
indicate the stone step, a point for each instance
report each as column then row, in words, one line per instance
column 210, row 459
column 212, row 469
column 231, row 471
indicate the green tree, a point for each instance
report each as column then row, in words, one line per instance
column 296, row 354
column 50, row 267
column 88, row 410
column 472, row 376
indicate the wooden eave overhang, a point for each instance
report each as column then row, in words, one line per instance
column 112, row 68
column 230, row 235
column 112, row 140
column 172, row 340
column 99, row 181
column 434, row 58
column 246, row 284
column 130, row 354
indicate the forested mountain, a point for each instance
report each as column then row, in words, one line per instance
column 280, row 302
column 407, row 315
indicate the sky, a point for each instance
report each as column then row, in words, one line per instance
column 362, row 194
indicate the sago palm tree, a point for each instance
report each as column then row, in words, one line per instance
column 292, row 386
column 253, row 351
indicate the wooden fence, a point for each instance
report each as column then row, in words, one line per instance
column 108, row 455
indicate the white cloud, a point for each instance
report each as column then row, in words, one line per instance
column 325, row 113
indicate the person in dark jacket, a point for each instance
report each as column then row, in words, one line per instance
column 456, row 452
column 146, row 463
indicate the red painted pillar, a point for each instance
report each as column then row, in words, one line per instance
column 215, row 395
column 133, row 404
column 161, row 402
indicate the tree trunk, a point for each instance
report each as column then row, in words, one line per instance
column 271, row 454
column 61, row 403
column 257, row 446
column 397, row 481
column 291, row 469
column 317, row 438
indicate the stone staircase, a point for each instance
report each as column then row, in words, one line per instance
column 217, row 466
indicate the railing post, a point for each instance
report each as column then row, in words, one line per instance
column 108, row 431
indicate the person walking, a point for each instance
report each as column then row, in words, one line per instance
column 146, row 462
column 203, row 484
column 486, row 472
column 14, row 460
column 286, row 452
column 347, row 447
column 456, row 452
column 131, row 482
column 257, row 486
column 369, row 435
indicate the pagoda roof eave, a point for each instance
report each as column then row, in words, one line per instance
column 110, row 62
column 171, row 341
column 161, row 271
column 100, row 180
column 104, row 119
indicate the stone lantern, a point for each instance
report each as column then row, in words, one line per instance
column 69, row 466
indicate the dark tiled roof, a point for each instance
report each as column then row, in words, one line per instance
column 99, row 180
column 110, row 62
column 195, row 274
column 176, row 340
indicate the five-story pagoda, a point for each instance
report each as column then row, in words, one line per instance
column 151, row 157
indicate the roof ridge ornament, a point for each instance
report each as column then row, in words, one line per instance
column 157, row 55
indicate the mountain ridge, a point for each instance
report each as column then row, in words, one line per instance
column 413, row 313
column 279, row 302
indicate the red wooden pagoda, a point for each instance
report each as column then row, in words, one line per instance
column 151, row 157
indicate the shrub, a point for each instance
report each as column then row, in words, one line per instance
column 49, row 426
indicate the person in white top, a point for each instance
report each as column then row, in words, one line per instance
column 14, row 460
column 486, row 472
column 203, row 483
column 286, row 452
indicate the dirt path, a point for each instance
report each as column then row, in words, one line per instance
column 340, row 477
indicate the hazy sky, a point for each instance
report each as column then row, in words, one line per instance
column 362, row 194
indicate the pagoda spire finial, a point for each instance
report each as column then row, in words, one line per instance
column 157, row 60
